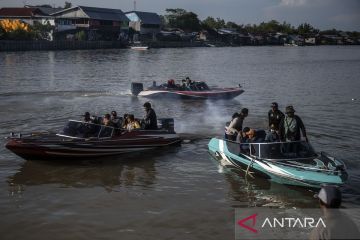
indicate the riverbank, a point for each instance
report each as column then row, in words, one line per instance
column 57, row 45
column 78, row 45
column 9, row 45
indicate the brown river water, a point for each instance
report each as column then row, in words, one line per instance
column 178, row 192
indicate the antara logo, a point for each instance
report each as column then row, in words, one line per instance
column 253, row 218
column 288, row 222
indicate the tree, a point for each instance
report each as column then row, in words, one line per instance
column 306, row 29
column 81, row 36
column 42, row 31
column 180, row 18
column 217, row 23
column 68, row 5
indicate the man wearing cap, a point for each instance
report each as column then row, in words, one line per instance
column 275, row 115
column 338, row 224
column 291, row 125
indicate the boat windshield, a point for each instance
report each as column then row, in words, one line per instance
column 201, row 86
column 78, row 129
column 279, row 150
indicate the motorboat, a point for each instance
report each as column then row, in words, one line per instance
column 195, row 90
column 141, row 48
column 291, row 163
column 89, row 140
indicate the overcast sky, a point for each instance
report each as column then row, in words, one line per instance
column 322, row 14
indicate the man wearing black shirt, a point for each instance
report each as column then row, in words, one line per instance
column 275, row 116
column 150, row 119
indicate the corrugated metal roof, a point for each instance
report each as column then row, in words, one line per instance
column 49, row 11
column 104, row 13
column 147, row 17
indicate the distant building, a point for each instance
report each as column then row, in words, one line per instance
column 310, row 41
column 30, row 15
column 97, row 23
column 144, row 22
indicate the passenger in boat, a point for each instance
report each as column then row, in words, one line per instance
column 291, row 125
column 132, row 123
column 244, row 141
column 125, row 120
column 183, row 86
column 171, row 83
column 107, row 120
column 115, row 119
column 254, row 136
column 338, row 225
column 275, row 115
column 150, row 119
column 233, row 130
column 272, row 135
column 190, row 85
column 87, row 117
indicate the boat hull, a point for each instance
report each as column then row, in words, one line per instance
column 274, row 171
column 54, row 147
column 216, row 94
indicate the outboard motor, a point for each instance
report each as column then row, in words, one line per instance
column 166, row 124
column 136, row 88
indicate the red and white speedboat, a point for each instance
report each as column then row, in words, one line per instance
column 80, row 140
column 195, row 90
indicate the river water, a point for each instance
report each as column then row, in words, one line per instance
column 180, row 192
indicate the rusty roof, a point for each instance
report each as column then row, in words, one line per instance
column 20, row 12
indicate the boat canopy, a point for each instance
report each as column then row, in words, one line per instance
column 279, row 150
column 79, row 129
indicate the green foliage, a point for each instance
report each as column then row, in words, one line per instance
column 81, row 36
column 306, row 29
column 272, row 26
column 210, row 22
column 19, row 34
column 330, row 32
column 354, row 34
column 180, row 18
column 41, row 31
column 2, row 33
column 67, row 5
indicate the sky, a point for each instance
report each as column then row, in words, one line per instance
column 322, row 14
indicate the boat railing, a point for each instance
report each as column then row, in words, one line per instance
column 278, row 151
column 82, row 130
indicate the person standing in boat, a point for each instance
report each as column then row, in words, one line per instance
column 233, row 132
column 150, row 119
column 291, row 125
column 275, row 116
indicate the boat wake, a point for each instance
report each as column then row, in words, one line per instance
column 75, row 93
